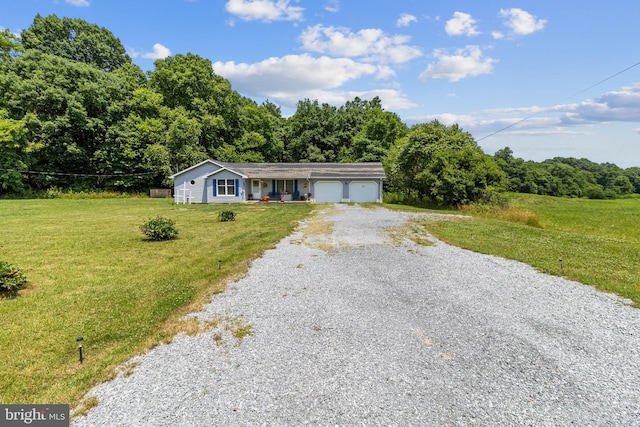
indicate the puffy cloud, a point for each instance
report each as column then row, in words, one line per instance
column 466, row 62
column 369, row 44
column 159, row 52
column 617, row 106
column 294, row 77
column 497, row 35
column 264, row 10
column 292, row 73
column 405, row 20
column 521, row 22
column 79, row 3
column 462, row 24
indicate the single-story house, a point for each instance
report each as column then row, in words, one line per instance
column 213, row 181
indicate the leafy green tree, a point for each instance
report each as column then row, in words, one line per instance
column 444, row 164
column 76, row 40
column 10, row 46
column 13, row 144
column 622, row 185
column 378, row 133
column 263, row 132
column 634, row 177
column 65, row 107
column 132, row 74
column 183, row 139
column 188, row 81
column 311, row 133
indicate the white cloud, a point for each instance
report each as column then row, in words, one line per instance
column 497, row 35
column 369, row 44
column 462, row 24
column 79, row 3
column 617, row 106
column 466, row 62
column 562, row 119
column 291, row 78
column 292, row 73
column 405, row 20
column 521, row 22
column 332, row 6
column 159, row 52
column 264, row 10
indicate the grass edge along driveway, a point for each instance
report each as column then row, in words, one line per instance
column 93, row 274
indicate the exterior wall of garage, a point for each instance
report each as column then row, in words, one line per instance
column 348, row 191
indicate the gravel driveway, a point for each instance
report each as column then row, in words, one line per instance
column 356, row 326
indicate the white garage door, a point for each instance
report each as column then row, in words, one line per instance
column 363, row 191
column 328, row 192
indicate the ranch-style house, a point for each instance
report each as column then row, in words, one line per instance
column 212, row 181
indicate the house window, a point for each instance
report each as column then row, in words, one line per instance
column 226, row 187
column 284, row 186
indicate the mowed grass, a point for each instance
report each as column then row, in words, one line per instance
column 595, row 242
column 93, row 274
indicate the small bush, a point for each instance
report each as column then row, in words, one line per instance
column 11, row 278
column 159, row 228
column 226, row 216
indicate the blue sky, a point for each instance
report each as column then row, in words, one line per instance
column 485, row 64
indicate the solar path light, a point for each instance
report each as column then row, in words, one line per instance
column 79, row 341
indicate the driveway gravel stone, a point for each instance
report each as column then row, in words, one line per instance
column 356, row 325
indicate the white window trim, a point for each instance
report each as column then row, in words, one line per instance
column 226, row 187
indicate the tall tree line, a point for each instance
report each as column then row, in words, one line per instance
column 76, row 113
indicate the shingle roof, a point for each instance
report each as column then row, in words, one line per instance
column 307, row 170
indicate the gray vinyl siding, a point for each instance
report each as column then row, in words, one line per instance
column 212, row 193
column 198, row 188
column 206, row 174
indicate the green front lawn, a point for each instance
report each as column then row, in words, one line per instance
column 93, row 274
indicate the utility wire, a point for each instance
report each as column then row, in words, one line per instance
column 79, row 174
column 559, row 102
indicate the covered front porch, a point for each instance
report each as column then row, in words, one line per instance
column 278, row 189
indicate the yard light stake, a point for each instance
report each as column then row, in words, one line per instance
column 560, row 264
column 79, row 341
column 219, row 262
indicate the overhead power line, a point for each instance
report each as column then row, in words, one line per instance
column 561, row 101
column 79, row 174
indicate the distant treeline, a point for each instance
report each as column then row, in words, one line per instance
column 77, row 114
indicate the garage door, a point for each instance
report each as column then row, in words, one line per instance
column 363, row 191
column 328, row 192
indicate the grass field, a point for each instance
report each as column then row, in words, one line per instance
column 596, row 242
column 92, row 274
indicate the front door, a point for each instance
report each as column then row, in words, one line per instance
column 255, row 189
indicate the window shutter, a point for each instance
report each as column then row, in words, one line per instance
column 237, row 187
column 215, row 188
